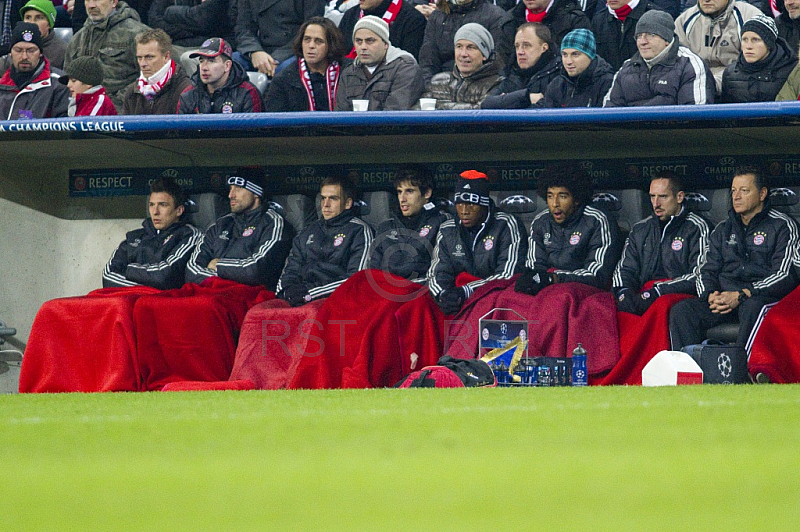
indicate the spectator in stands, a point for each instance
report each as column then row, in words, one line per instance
column 535, row 67
column 250, row 244
column 161, row 80
column 662, row 72
column 572, row 241
column 28, row 89
column 403, row 244
column 584, row 77
column 335, row 9
column 265, row 29
column 483, row 243
column 309, row 84
column 220, row 85
column 386, row 76
column 763, row 66
column 110, row 35
column 9, row 16
column 328, row 251
column 748, row 265
column 43, row 14
column 712, row 29
column 406, row 24
column 437, row 52
column 559, row 16
column 664, row 251
column 475, row 75
column 155, row 255
column 615, row 29
column 84, row 79
column 788, row 23
column 189, row 23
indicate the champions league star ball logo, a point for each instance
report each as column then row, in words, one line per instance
column 677, row 244
column 575, row 239
column 517, row 203
column 337, row 241
column 249, row 231
column 724, row 365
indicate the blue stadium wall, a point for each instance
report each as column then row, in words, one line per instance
column 95, row 170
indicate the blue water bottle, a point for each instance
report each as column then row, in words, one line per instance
column 580, row 375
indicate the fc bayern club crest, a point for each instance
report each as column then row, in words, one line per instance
column 488, row 244
column 424, row 231
column 575, row 239
column 758, row 239
column 677, row 245
column 338, row 240
column 227, row 109
column 249, row 231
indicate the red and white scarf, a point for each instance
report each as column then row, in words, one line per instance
column 390, row 16
column 150, row 87
column 332, row 78
column 622, row 13
column 537, row 17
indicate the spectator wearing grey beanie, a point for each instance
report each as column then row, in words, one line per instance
column 475, row 75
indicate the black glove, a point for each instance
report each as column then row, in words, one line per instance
column 531, row 282
column 451, row 299
column 630, row 301
column 295, row 295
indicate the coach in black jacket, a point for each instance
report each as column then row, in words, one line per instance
column 329, row 251
column 483, row 242
column 667, row 246
column 250, row 244
column 748, row 266
column 662, row 72
column 571, row 241
column 155, row 255
column 615, row 29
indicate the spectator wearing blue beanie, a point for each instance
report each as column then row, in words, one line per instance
column 584, row 78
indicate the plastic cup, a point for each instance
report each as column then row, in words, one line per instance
column 427, row 104
column 360, row 105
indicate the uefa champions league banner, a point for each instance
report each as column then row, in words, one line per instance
column 616, row 174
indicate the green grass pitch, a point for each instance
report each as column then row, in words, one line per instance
column 680, row 458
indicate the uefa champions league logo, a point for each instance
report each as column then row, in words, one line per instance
column 724, row 365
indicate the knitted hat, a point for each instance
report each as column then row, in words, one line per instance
column 27, row 32
column 213, row 48
column 473, row 187
column 86, row 69
column 658, row 23
column 44, row 6
column 475, row 33
column 581, row 40
column 250, row 178
column 765, row 28
column 376, row 25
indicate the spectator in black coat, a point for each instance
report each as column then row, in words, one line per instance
column 406, row 24
column 438, row 49
column 191, row 22
column 536, row 65
column 320, row 49
column 615, row 28
column 788, row 23
column 560, row 16
column 584, row 78
column 763, row 66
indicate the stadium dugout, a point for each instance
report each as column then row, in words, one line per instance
column 70, row 188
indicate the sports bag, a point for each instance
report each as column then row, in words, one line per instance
column 451, row 372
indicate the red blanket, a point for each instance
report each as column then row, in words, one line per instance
column 640, row 339
column 378, row 328
column 774, row 351
column 275, row 338
column 190, row 334
column 84, row 344
column 559, row 317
